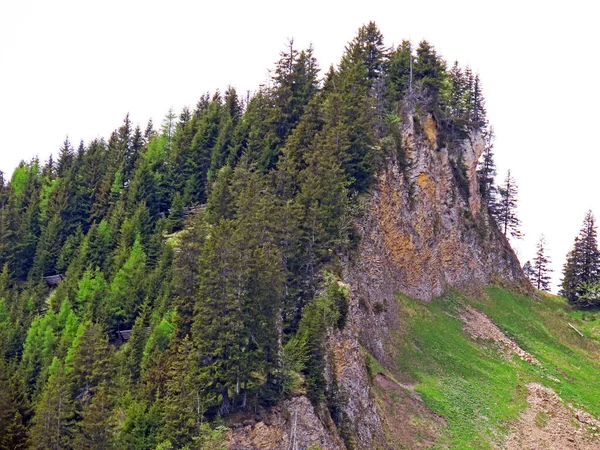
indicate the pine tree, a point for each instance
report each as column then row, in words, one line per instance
column 184, row 405
column 126, row 292
column 505, row 212
column 486, row 171
column 367, row 49
column 458, row 103
column 477, row 116
column 349, row 112
column 541, row 269
column 582, row 269
column 94, row 430
column 65, row 158
column 400, row 71
column 52, row 426
column 295, row 83
column 429, row 71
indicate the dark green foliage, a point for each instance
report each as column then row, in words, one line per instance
column 239, row 296
column 505, row 210
column 486, row 172
column 400, row 72
column 581, row 272
column 53, row 423
column 540, row 269
column 197, row 258
column 295, row 83
column 430, row 70
column 367, row 49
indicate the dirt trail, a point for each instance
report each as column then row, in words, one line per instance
column 547, row 423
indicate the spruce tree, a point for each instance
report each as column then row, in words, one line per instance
column 430, row 71
column 53, row 426
column 506, row 208
column 541, row 269
column 400, row 71
column 582, row 268
column 486, row 171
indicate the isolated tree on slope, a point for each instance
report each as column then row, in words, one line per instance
column 582, row 269
column 506, row 209
column 541, row 269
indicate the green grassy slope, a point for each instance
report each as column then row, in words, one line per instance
column 472, row 385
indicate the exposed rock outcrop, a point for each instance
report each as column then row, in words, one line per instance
column 294, row 425
column 426, row 229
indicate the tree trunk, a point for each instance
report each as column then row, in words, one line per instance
column 225, row 403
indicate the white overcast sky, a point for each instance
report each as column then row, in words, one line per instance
column 77, row 67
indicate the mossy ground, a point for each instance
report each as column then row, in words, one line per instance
column 472, row 384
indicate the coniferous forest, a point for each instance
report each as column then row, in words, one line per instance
column 160, row 279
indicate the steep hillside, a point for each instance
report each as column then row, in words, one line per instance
column 431, row 357
column 424, row 230
column 305, row 267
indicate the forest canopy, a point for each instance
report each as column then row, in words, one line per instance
column 199, row 261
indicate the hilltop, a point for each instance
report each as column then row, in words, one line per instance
column 316, row 265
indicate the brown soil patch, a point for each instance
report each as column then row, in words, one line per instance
column 407, row 422
column 549, row 424
column 481, row 326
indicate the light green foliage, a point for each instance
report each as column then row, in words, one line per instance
column 125, row 291
column 75, row 341
column 19, row 179
column 211, row 438
column 38, row 349
column 70, row 332
column 116, row 187
column 91, row 290
column 160, row 337
column 4, row 316
column 48, row 188
column 589, row 293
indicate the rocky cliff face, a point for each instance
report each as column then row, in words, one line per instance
column 293, row 425
column 425, row 230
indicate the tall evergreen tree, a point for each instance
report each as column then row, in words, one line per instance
column 541, row 267
column 429, row 71
column 399, row 73
column 53, row 426
column 486, row 171
column 582, row 268
column 367, row 49
column 505, row 211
